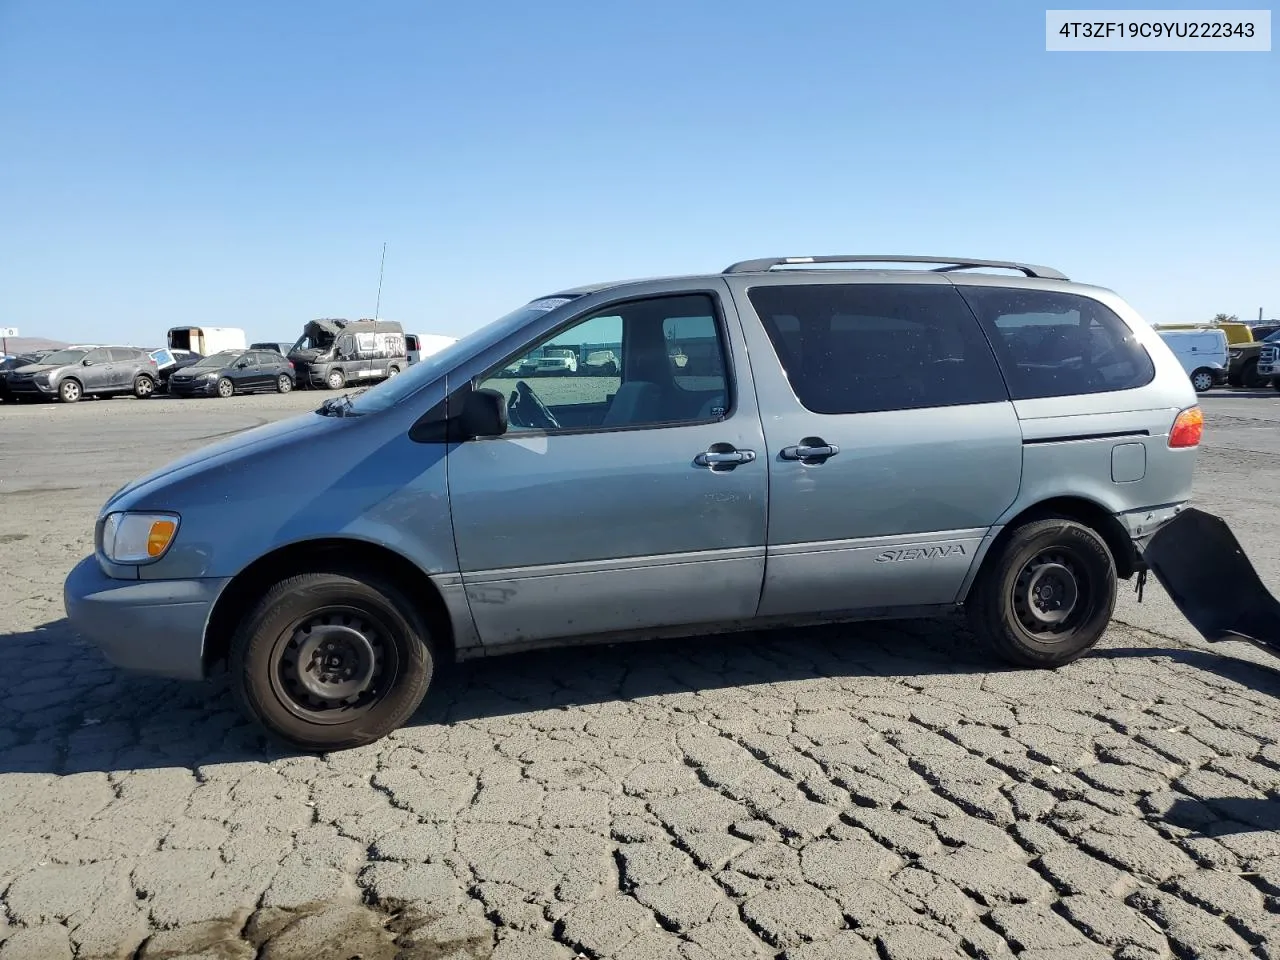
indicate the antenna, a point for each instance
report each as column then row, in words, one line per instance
column 381, row 267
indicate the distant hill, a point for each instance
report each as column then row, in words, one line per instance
column 19, row 345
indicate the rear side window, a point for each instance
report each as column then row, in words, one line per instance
column 864, row 347
column 1054, row 344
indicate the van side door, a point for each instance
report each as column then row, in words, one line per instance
column 618, row 502
column 893, row 445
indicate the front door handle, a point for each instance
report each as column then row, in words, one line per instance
column 810, row 450
column 723, row 456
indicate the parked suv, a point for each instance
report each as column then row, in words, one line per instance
column 840, row 445
column 233, row 371
column 76, row 372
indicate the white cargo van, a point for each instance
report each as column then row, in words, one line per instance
column 207, row 341
column 419, row 345
column 1202, row 353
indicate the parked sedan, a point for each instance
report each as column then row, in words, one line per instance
column 12, row 363
column 233, row 371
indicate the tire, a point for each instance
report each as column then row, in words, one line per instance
column 377, row 633
column 1202, row 380
column 392, row 371
column 70, row 391
column 335, row 380
column 283, row 383
column 1275, row 383
column 999, row 607
column 1249, row 375
column 143, row 387
column 226, row 388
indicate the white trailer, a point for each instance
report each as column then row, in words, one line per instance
column 207, row 341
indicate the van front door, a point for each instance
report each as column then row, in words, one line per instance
column 617, row 503
column 893, row 445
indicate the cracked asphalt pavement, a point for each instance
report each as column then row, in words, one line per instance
column 878, row 791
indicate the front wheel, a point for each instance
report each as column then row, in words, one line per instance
column 226, row 388
column 70, row 391
column 284, row 383
column 1202, row 380
column 1045, row 599
column 1249, row 375
column 335, row 380
column 329, row 661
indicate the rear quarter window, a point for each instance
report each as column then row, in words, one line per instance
column 1052, row 344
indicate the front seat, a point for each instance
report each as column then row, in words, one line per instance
column 637, row 401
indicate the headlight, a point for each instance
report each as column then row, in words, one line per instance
column 208, row 376
column 138, row 537
column 41, row 378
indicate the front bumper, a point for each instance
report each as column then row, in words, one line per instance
column 155, row 627
column 192, row 388
column 32, row 388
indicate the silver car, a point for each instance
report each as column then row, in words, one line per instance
column 840, row 443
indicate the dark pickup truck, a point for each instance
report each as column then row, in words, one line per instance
column 1242, row 358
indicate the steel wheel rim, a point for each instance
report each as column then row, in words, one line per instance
column 1204, row 381
column 1051, row 595
column 334, row 665
column 335, row 382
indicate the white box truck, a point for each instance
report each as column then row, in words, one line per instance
column 419, row 345
column 207, row 341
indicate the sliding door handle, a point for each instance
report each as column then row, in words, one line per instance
column 810, row 450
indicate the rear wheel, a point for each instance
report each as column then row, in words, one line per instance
column 143, row 387
column 70, row 391
column 392, row 371
column 329, row 661
column 226, row 388
column 284, row 383
column 1202, row 380
column 1048, row 595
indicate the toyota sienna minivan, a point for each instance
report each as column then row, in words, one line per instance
column 792, row 441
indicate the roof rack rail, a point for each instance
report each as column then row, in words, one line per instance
column 950, row 264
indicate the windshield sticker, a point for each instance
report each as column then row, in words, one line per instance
column 549, row 303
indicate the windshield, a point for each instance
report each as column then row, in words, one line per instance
column 61, row 358
column 1272, row 338
column 322, row 341
column 420, row 374
column 216, row 360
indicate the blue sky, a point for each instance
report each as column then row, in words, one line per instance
column 240, row 163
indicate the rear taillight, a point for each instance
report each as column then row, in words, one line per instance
column 1188, row 428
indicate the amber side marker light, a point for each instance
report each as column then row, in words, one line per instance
column 159, row 536
column 1188, row 428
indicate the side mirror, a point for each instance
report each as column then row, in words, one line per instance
column 86, row 362
column 484, row 414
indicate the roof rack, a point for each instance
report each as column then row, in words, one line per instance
column 951, row 263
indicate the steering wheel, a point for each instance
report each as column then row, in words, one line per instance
column 523, row 398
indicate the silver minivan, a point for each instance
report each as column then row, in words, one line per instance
column 791, row 441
